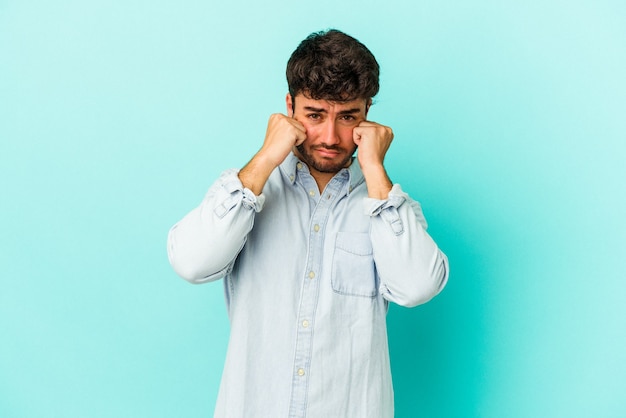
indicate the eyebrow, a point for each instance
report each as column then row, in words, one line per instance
column 343, row 112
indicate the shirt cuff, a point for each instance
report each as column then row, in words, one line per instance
column 396, row 197
column 235, row 193
column 388, row 208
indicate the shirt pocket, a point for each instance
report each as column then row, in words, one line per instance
column 353, row 270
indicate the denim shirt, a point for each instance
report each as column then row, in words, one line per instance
column 308, row 278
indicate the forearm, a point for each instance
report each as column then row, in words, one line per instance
column 411, row 267
column 378, row 183
column 254, row 175
column 374, row 140
column 283, row 133
column 203, row 246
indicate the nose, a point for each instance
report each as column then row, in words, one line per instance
column 330, row 135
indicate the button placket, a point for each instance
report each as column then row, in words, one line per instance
column 309, row 297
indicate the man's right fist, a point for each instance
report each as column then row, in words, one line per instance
column 283, row 133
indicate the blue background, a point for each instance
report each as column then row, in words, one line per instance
column 115, row 117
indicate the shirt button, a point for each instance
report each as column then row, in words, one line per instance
column 311, row 192
column 311, row 275
column 316, row 228
column 291, row 177
column 299, row 166
column 305, row 323
column 300, row 372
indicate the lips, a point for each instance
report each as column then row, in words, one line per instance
column 327, row 152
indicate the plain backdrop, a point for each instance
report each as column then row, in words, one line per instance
column 116, row 116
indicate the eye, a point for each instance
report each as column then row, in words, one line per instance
column 348, row 120
column 314, row 116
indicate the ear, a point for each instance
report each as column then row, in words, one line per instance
column 368, row 103
column 289, row 103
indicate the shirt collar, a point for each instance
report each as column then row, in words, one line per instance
column 290, row 168
column 356, row 175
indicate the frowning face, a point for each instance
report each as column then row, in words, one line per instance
column 329, row 145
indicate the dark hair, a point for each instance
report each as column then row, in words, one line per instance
column 331, row 65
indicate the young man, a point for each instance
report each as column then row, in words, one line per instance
column 312, row 245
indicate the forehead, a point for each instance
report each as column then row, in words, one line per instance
column 305, row 102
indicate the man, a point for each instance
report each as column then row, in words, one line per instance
column 312, row 245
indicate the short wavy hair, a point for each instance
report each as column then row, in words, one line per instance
column 331, row 65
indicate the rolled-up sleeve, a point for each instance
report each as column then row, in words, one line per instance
column 411, row 267
column 203, row 246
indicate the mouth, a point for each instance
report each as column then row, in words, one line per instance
column 327, row 152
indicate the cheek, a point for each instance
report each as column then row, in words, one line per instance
column 312, row 132
column 345, row 133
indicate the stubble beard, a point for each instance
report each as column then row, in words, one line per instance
column 322, row 165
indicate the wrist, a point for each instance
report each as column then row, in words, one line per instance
column 254, row 175
column 378, row 183
column 265, row 160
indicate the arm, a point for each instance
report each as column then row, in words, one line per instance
column 203, row 246
column 411, row 267
column 283, row 133
column 373, row 140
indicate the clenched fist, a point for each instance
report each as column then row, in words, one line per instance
column 283, row 133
